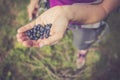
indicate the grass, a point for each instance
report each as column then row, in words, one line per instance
column 55, row 62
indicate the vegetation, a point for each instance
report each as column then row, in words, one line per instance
column 53, row 62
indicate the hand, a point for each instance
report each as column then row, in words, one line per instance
column 32, row 9
column 56, row 17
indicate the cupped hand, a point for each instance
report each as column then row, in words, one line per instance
column 54, row 16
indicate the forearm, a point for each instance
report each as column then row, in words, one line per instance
column 86, row 13
column 109, row 5
column 34, row 1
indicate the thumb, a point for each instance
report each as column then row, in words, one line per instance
column 36, row 10
column 26, row 27
column 30, row 14
column 30, row 11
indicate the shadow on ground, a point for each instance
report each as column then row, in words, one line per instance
column 107, row 68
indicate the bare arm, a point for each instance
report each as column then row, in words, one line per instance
column 109, row 5
column 34, row 1
column 33, row 9
column 87, row 13
column 59, row 17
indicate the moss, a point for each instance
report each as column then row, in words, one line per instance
column 53, row 62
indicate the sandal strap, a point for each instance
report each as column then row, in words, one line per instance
column 82, row 55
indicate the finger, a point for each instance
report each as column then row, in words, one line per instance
column 30, row 15
column 26, row 27
column 37, row 14
column 50, row 40
column 55, row 43
column 20, row 35
column 30, row 12
column 23, row 39
column 30, row 25
column 30, row 43
column 33, row 13
column 37, row 7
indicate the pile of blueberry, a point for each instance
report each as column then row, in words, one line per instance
column 39, row 32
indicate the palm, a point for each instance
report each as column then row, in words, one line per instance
column 59, row 23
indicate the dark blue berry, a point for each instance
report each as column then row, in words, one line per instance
column 47, row 34
column 42, row 29
column 36, row 38
column 48, row 26
column 39, row 31
column 41, row 36
column 39, row 25
column 31, row 37
column 37, row 35
column 38, row 28
column 28, row 33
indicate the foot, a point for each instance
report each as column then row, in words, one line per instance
column 80, row 61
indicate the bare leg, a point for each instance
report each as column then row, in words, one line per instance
column 81, row 56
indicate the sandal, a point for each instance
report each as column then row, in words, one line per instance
column 80, row 61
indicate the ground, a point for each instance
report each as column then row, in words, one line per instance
column 55, row 62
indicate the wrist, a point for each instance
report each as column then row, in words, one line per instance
column 34, row 1
column 84, row 13
column 68, row 13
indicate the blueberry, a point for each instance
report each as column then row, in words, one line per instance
column 34, row 34
column 31, row 37
column 48, row 26
column 28, row 33
column 42, row 29
column 39, row 25
column 39, row 31
column 34, row 29
column 37, row 28
column 41, row 36
column 38, row 35
column 47, row 34
column 36, row 38
column 47, row 30
column 31, row 30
